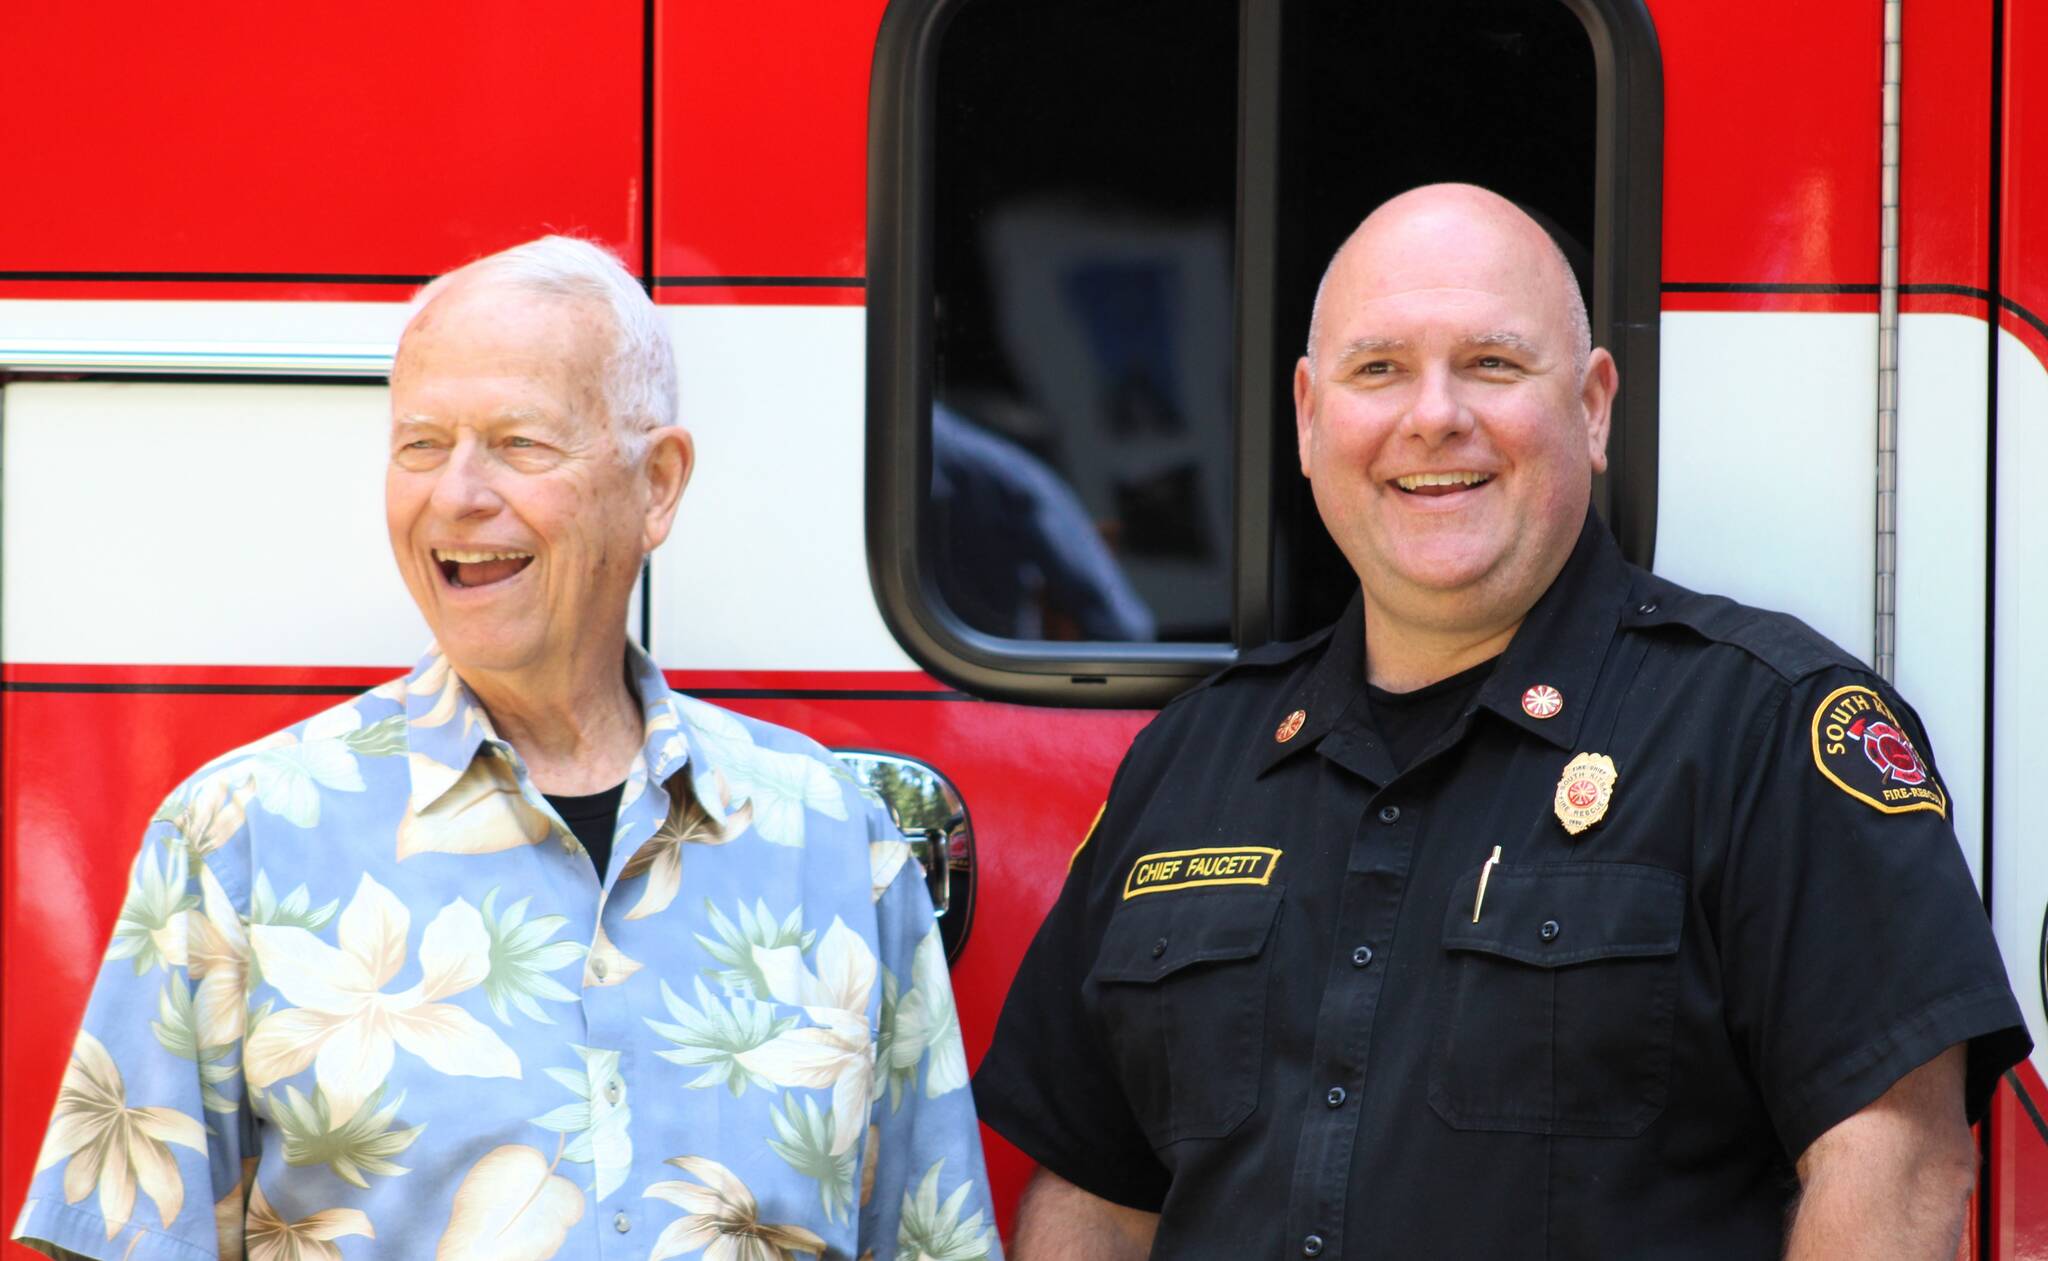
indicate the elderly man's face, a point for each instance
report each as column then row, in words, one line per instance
column 517, row 527
column 1448, row 437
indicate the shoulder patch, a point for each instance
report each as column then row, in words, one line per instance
column 1861, row 747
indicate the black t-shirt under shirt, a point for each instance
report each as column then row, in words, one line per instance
column 592, row 819
column 1411, row 721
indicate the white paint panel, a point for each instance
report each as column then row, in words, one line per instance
column 1766, row 489
column 199, row 524
column 2019, row 877
column 767, row 568
column 298, row 337
column 1943, row 381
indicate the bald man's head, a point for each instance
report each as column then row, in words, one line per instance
column 1453, row 414
column 1469, row 202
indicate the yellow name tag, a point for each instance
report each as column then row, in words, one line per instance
column 1197, row 868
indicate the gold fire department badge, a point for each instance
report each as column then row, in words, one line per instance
column 1584, row 790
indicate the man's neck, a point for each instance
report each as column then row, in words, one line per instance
column 1401, row 656
column 577, row 729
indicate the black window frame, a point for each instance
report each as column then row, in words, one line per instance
column 1626, row 308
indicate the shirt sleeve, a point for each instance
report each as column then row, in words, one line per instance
column 144, row 1151
column 1853, row 942
column 1049, row 1083
column 924, row 1187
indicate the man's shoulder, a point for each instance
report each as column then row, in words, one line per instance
column 1777, row 642
column 370, row 722
column 1256, row 673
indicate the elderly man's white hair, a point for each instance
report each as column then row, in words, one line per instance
column 638, row 378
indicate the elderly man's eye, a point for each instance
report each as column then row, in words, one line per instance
column 1377, row 368
column 517, row 441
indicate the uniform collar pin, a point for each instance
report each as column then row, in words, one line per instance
column 1542, row 701
column 1289, row 726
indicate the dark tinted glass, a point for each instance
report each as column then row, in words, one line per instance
column 1085, row 189
column 1377, row 98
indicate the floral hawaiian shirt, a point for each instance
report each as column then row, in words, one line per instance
column 368, row 998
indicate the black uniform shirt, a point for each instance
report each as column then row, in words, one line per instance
column 1263, row 1008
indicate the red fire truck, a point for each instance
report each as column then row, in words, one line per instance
column 985, row 311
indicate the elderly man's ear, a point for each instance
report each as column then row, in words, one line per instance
column 671, row 454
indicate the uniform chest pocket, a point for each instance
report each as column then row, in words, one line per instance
column 1554, row 1012
column 1181, row 987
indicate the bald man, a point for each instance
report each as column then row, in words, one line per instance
column 1538, row 908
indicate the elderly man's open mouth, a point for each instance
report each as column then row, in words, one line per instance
column 474, row 568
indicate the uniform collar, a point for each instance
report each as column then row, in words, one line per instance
column 1561, row 644
column 447, row 728
column 1564, row 641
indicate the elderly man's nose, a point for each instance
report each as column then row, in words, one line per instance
column 463, row 486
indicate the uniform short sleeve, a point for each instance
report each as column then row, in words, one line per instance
column 148, row 1132
column 1048, row 1083
column 1853, row 942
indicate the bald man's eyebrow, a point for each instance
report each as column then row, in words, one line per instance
column 1501, row 339
column 1372, row 346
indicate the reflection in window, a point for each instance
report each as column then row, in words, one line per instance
column 1086, row 184
column 1083, row 260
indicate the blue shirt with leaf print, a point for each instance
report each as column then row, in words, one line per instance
column 367, row 997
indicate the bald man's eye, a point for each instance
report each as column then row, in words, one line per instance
column 1376, row 368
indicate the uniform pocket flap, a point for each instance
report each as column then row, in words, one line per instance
column 1553, row 914
column 1151, row 938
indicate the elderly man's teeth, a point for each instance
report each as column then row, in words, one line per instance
column 1416, row 481
column 476, row 558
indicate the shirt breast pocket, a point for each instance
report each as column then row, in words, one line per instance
column 1181, row 983
column 1555, row 1010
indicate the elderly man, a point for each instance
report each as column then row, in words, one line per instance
column 1540, row 908
column 522, row 955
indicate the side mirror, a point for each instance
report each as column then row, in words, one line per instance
column 928, row 811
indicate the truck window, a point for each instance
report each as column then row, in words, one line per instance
column 1096, row 227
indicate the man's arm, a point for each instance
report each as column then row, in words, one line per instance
column 1058, row 1221
column 1893, row 1179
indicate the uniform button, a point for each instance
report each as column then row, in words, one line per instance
column 1335, row 1098
column 1549, row 930
column 1159, row 947
column 598, row 968
column 1312, row 1246
column 612, row 1090
column 1361, row 956
column 1647, row 609
column 622, row 1223
column 1389, row 814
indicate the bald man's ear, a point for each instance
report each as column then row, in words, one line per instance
column 1596, row 394
column 1304, row 409
column 671, row 455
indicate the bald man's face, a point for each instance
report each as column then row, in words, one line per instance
column 1444, row 427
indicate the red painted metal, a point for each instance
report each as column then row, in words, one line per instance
column 376, row 138
column 1032, row 780
column 2019, row 1169
column 1945, row 155
column 761, row 163
column 2023, row 247
column 1771, row 117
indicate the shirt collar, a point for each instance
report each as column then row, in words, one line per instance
column 1561, row 645
column 447, row 727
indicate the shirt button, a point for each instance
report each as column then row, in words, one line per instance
column 1389, row 814
column 1647, row 609
column 1336, row 1097
column 1361, row 956
column 622, row 1223
column 1312, row 1246
column 1549, row 930
column 1159, row 947
column 612, row 1090
column 598, row 968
